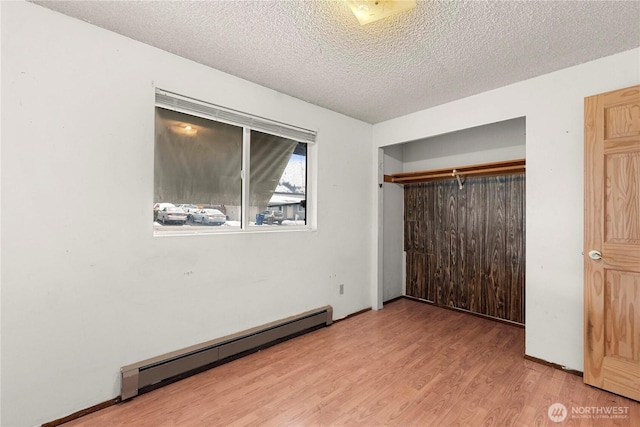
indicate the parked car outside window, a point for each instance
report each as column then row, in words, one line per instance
column 271, row 216
column 209, row 216
column 172, row 215
column 189, row 209
column 158, row 207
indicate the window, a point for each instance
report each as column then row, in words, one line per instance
column 217, row 169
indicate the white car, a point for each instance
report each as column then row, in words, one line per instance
column 189, row 209
column 172, row 215
column 160, row 206
column 209, row 216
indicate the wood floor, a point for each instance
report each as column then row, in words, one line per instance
column 409, row 364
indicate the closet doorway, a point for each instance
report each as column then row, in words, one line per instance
column 465, row 243
column 462, row 238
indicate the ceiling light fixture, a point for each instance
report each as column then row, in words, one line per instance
column 368, row 11
column 184, row 129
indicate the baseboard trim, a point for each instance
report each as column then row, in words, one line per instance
column 393, row 299
column 254, row 346
column 112, row 402
column 462, row 310
column 364, row 310
column 553, row 365
column 83, row 412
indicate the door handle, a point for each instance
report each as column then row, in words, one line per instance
column 595, row 255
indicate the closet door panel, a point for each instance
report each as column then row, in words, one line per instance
column 411, row 272
column 439, row 242
column 494, row 261
column 410, row 192
column 474, row 245
column 465, row 246
column 449, row 244
column 430, row 245
column 515, row 239
column 462, row 262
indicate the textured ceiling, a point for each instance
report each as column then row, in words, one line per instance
column 316, row 50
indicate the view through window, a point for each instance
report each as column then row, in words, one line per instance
column 199, row 167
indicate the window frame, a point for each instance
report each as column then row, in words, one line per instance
column 194, row 107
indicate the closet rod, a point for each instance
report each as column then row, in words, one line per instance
column 486, row 169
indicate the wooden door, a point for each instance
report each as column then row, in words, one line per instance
column 612, row 242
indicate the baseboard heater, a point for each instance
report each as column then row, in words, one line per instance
column 157, row 371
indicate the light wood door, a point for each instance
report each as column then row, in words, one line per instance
column 612, row 242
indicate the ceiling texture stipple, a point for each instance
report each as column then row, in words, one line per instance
column 317, row 51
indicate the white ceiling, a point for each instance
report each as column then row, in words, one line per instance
column 316, row 50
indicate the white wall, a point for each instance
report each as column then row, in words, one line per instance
column 0, row 226
column 482, row 144
column 393, row 237
column 553, row 107
column 86, row 288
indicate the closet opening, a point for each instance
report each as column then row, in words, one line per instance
column 461, row 221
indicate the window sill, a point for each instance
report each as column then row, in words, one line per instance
column 171, row 231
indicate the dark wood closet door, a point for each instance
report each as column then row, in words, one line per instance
column 465, row 247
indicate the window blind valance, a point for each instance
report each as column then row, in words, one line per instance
column 175, row 102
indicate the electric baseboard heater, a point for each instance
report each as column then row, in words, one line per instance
column 157, row 371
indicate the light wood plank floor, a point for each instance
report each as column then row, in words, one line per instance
column 410, row 364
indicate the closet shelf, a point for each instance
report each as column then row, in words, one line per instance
column 508, row 167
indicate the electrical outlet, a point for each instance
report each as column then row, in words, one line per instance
column 341, row 289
